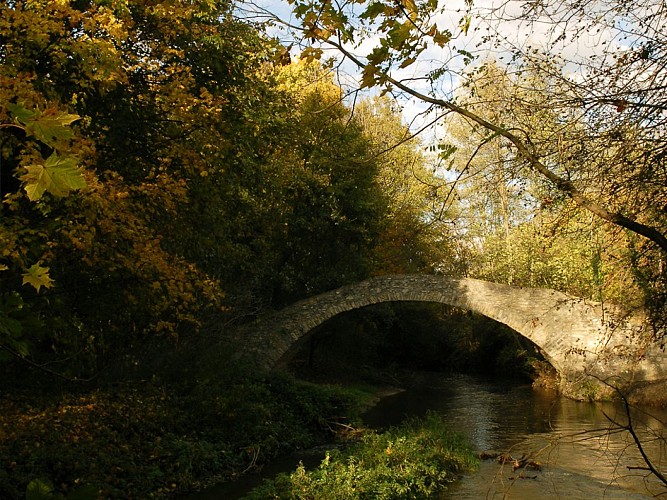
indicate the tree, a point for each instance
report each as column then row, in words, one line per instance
column 334, row 206
column 517, row 228
column 324, row 203
column 416, row 234
column 123, row 89
column 609, row 103
column 401, row 33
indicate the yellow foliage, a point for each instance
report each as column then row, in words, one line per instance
column 37, row 276
column 173, row 291
column 308, row 77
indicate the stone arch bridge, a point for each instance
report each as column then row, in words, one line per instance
column 583, row 340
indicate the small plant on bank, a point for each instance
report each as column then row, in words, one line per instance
column 418, row 459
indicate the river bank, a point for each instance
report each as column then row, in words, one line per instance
column 162, row 441
column 581, row 452
column 554, row 447
column 154, row 439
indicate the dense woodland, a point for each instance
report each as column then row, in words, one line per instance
column 159, row 174
column 167, row 168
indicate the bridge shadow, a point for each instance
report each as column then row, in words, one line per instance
column 379, row 342
column 526, row 311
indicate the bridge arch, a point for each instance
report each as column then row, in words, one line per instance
column 557, row 323
column 581, row 339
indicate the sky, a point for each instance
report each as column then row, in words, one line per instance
column 505, row 24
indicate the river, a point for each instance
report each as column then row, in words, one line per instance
column 580, row 458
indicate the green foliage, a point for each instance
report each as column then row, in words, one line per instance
column 11, row 328
column 39, row 489
column 415, row 235
column 419, row 459
column 50, row 127
column 58, row 176
column 157, row 440
column 514, row 227
column 305, row 207
column 37, row 276
column 20, row 327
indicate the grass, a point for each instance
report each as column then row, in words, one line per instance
column 415, row 460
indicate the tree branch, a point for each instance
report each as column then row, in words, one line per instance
column 43, row 367
column 629, row 427
column 527, row 153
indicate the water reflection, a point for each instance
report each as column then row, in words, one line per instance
column 582, row 454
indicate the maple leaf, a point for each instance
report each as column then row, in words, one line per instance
column 442, row 38
column 52, row 126
column 48, row 127
column 58, row 175
column 38, row 277
column 21, row 114
column 368, row 76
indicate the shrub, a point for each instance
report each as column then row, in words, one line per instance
column 416, row 460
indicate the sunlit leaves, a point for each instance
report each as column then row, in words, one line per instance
column 445, row 150
column 400, row 31
column 414, row 234
column 57, row 175
column 311, row 54
column 38, row 277
column 465, row 24
column 442, row 38
column 411, row 9
column 374, row 9
column 49, row 127
column 518, row 228
column 39, row 489
column 369, row 75
column 417, row 460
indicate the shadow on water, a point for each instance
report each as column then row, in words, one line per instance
column 580, row 458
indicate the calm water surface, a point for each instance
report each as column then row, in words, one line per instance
column 580, row 458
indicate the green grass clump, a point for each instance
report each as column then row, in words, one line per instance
column 415, row 460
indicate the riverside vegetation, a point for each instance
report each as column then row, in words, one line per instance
column 163, row 437
column 415, row 460
column 153, row 440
